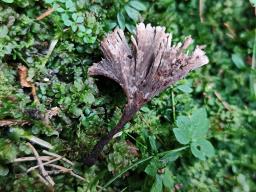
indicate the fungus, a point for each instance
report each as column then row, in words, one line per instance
column 143, row 70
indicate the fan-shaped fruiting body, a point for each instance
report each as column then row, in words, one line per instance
column 143, row 70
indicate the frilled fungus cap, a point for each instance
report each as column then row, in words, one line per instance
column 143, row 70
column 149, row 66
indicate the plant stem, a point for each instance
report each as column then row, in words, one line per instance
column 142, row 161
column 173, row 106
column 126, row 169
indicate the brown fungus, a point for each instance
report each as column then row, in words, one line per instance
column 143, row 71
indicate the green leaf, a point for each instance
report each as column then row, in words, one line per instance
column 81, row 28
column 152, row 167
column 86, row 39
column 69, row 4
column 121, row 20
column 253, row 2
column 60, row 10
column 25, row 148
column 132, row 13
column 8, row 1
column 8, row 151
column 126, row 169
column 168, row 180
column 48, row 1
column 185, row 88
column 80, row 19
column 138, row 5
column 152, row 141
column 238, row 61
column 111, row 24
column 200, row 124
column 183, row 122
column 66, row 20
column 182, row 135
column 171, row 156
column 202, row 149
column 88, row 31
column 68, row 23
column 158, row 184
column 3, row 171
column 88, row 98
column 131, row 28
column 74, row 27
column 3, row 31
column 74, row 16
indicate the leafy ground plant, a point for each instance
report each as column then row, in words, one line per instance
column 192, row 130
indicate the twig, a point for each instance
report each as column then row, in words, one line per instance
column 39, row 161
column 63, row 169
column 253, row 67
column 11, row 122
column 49, row 52
column 55, row 172
column 48, row 162
column 201, row 9
column 56, row 155
column 77, row 176
column 232, row 32
column 22, row 159
column 42, row 179
column 224, row 103
column 39, row 141
column 173, row 106
column 45, row 14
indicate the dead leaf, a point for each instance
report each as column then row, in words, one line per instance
column 23, row 74
column 51, row 113
column 132, row 149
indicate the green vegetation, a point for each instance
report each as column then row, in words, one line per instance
column 198, row 135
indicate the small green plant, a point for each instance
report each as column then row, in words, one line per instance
column 192, row 130
column 130, row 14
column 72, row 15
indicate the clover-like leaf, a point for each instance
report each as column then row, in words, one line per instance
column 193, row 130
column 182, row 135
column 200, row 124
column 202, row 149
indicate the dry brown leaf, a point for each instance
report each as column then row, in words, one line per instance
column 51, row 113
column 23, row 74
column 132, row 149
